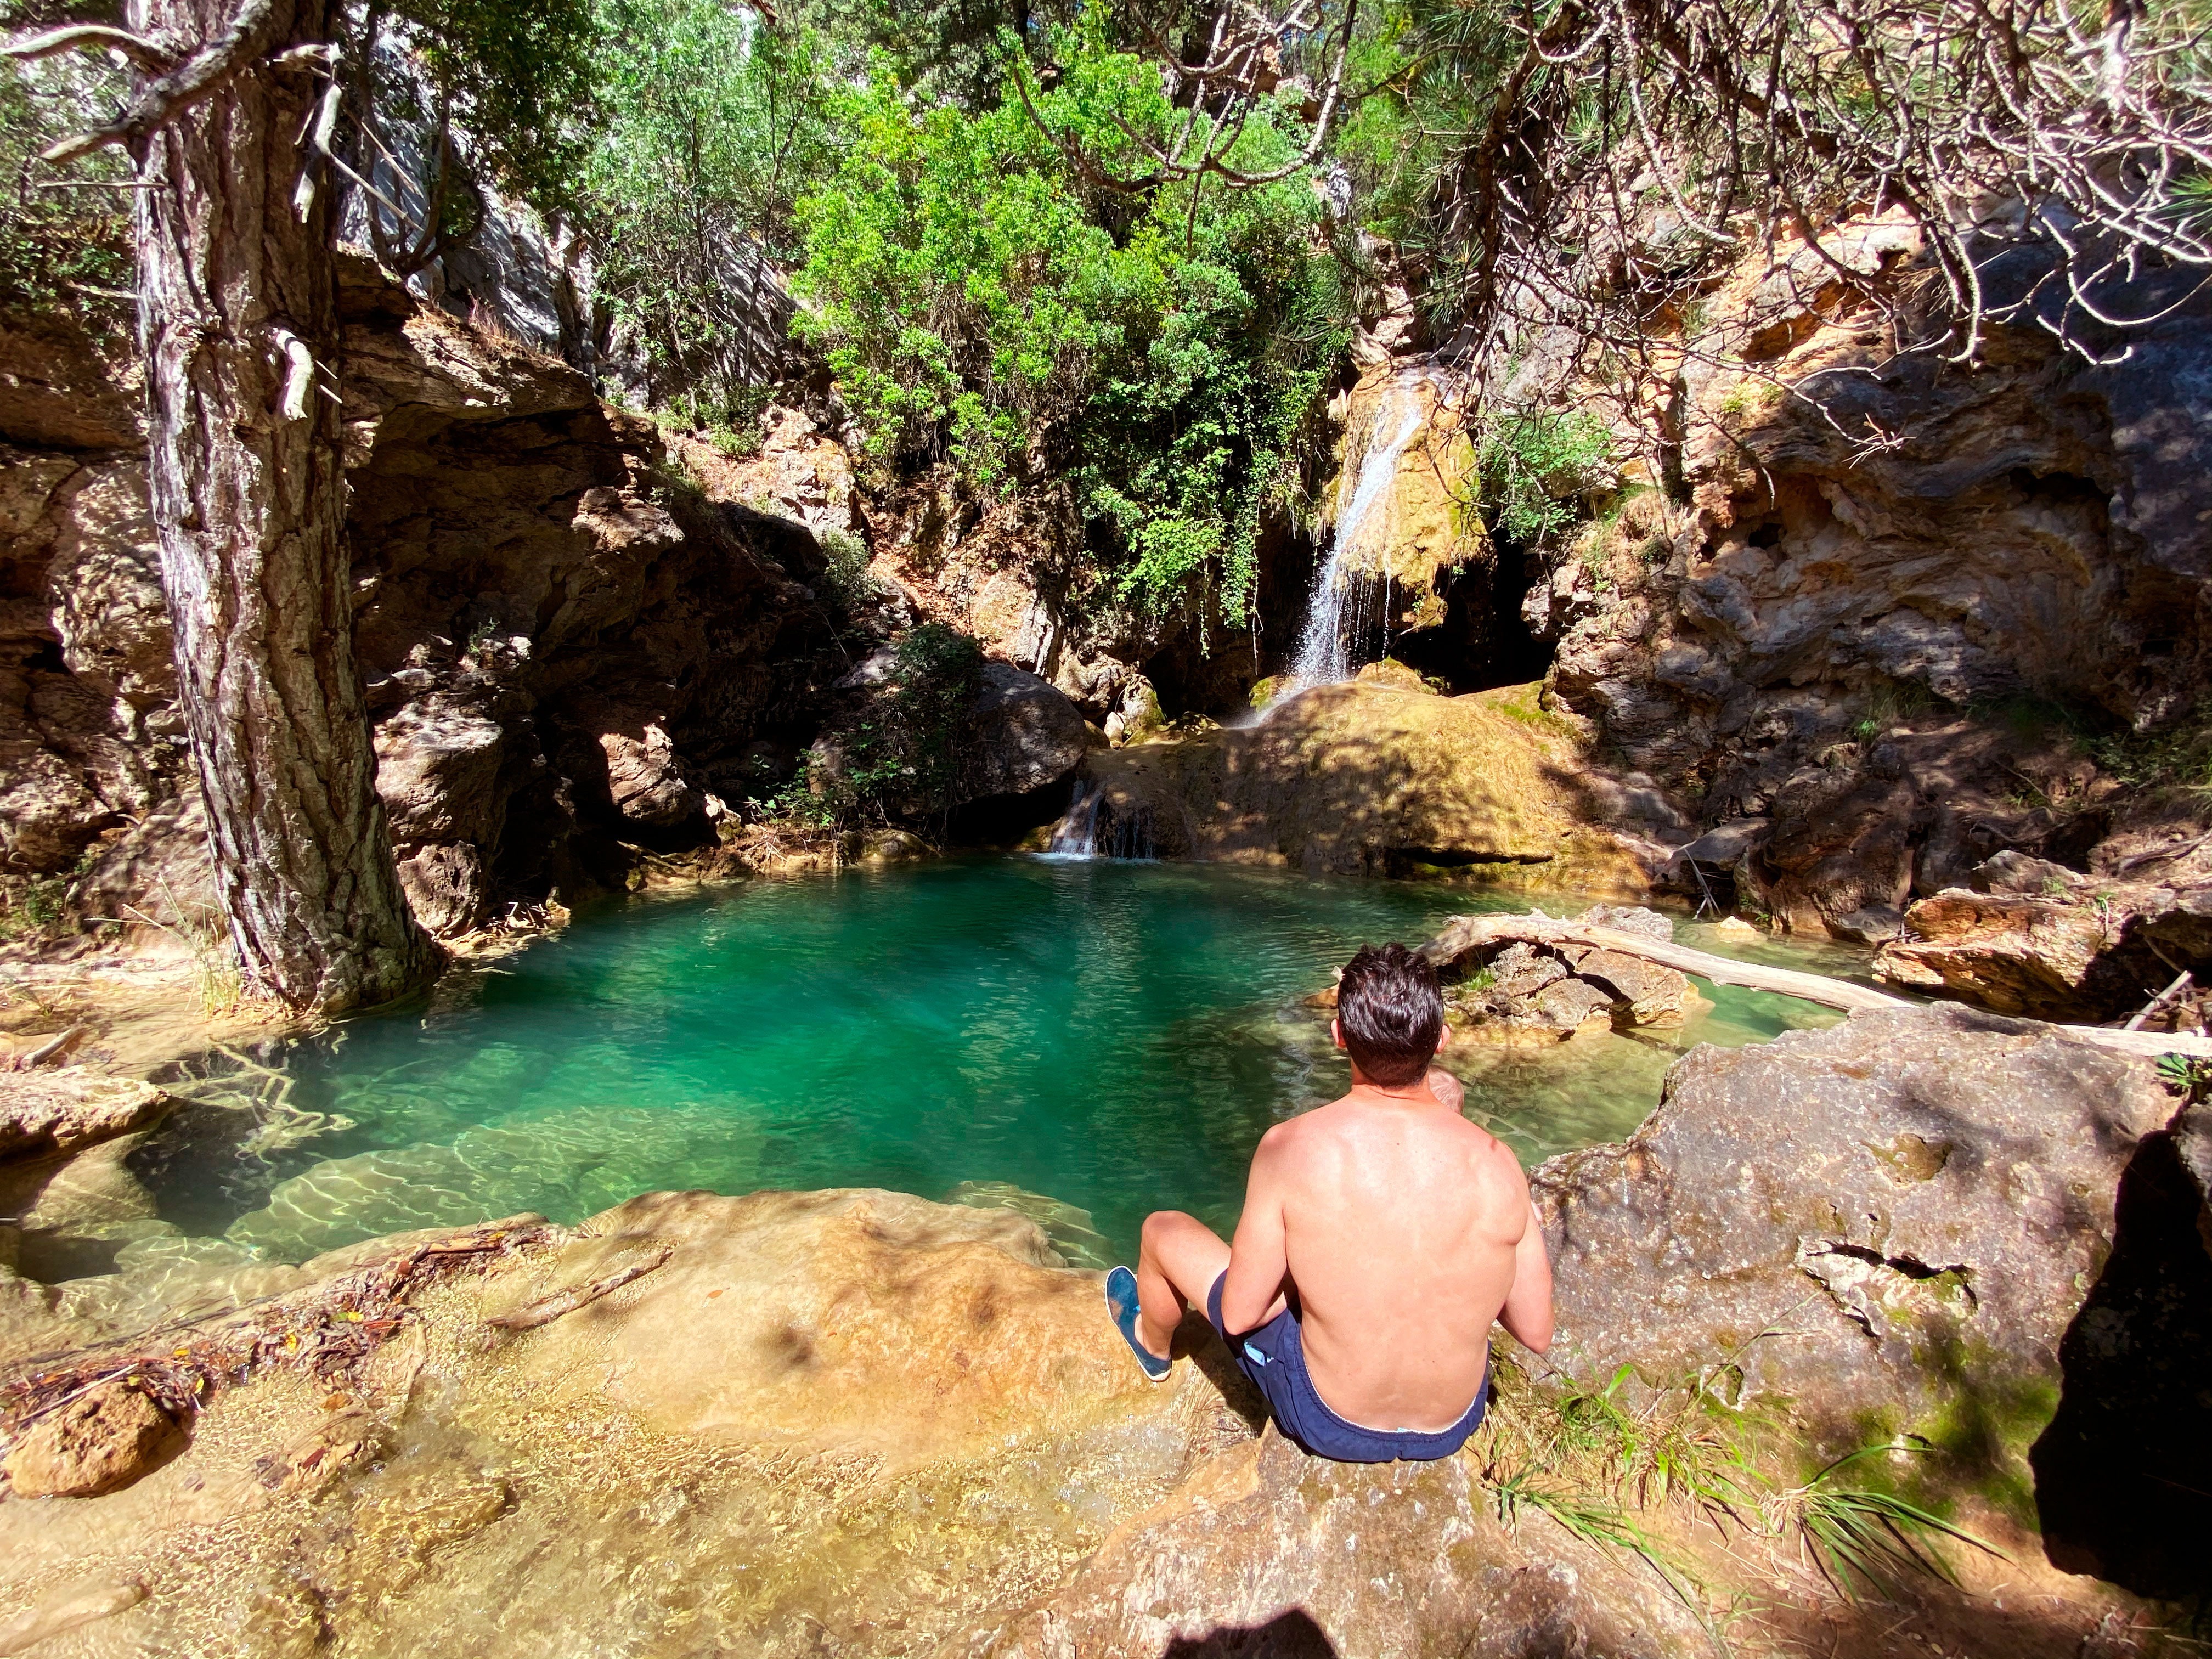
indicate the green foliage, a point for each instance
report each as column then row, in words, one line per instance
column 845, row 570
column 1874, row 1539
column 1532, row 463
column 2187, row 1074
column 944, row 51
column 65, row 246
column 901, row 756
column 515, row 75
column 983, row 302
column 715, row 120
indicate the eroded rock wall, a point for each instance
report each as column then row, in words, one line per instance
column 1816, row 627
column 567, row 646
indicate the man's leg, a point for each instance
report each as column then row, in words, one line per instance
column 1180, row 1258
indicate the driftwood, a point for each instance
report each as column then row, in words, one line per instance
column 1465, row 933
column 546, row 1310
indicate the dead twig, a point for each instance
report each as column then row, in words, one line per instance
column 546, row 1310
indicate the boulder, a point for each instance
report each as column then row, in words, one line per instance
column 98, row 1443
column 1267, row 1553
column 1367, row 777
column 61, row 1111
column 1555, row 989
column 1884, row 1227
column 1022, row 735
column 2059, row 955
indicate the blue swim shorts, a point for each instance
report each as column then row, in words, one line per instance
column 1273, row 1357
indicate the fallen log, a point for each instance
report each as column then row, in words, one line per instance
column 1464, row 933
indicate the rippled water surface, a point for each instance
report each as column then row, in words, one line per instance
column 1110, row 1037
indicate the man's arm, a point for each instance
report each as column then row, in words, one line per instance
column 1527, row 1314
column 1258, row 1256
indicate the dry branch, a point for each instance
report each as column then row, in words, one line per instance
column 546, row 1310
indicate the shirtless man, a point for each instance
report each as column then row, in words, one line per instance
column 1381, row 1236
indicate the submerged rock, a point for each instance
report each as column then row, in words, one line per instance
column 98, row 1443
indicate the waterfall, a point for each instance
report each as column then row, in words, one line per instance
column 1076, row 835
column 1336, row 617
column 1091, row 829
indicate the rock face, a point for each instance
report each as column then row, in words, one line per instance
column 565, row 647
column 88, row 736
column 2071, row 956
column 64, row 1110
column 1368, row 777
column 1889, row 1224
column 1848, row 642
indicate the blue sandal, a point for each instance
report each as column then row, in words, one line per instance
column 1121, row 1303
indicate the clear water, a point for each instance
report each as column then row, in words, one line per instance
column 1087, row 1040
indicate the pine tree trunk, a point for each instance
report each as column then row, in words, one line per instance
column 235, row 291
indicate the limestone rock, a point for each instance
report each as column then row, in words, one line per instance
column 1501, row 992
column 817, row 1344
column 51, row 1111
column 98, row 1443
column 1266, row 1551
column 1798, row 645
column 557, row 648
column 1818, row 1214
column 2043, row 957
column 1367, row 778
column 1024, row 734
column 1655, row 995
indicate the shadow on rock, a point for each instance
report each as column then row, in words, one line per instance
column 1293, row 1635
column 2123, row 1473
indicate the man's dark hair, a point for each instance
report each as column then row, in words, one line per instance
column 1392, row 1013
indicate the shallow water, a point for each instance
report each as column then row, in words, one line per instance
column 1114, row 1035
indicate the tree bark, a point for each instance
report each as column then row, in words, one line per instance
column 238, row 319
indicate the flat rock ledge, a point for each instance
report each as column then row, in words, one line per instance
column 855, row 1422
column 70, row 1108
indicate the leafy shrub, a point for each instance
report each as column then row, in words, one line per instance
column 714, row 121
column 62, row 246
column 1532, row 463
column 982, row 300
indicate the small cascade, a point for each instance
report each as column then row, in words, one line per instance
column 1091, row 829
column 1340, row 613
column 1076, row 835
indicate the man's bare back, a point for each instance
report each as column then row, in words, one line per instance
column 1406, row 1229
column 1394, row 1232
